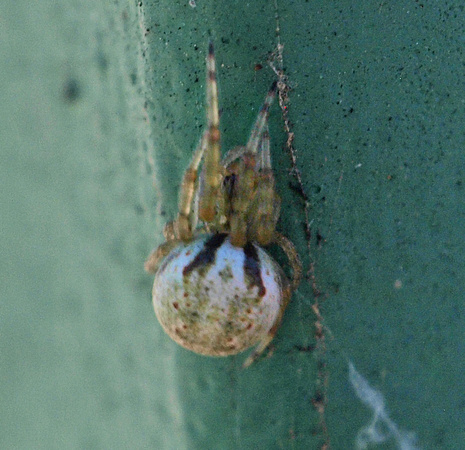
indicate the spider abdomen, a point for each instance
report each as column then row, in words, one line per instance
column 216, row 299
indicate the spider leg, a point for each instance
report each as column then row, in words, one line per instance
column 248, row 182
column 264, row 149
column 266, row 203
column 184, row 225
column 243, row 193
column 258, row 129
column 232, row 155
column 182, row 228
column 296, row 265
column 212, row 178
column 289, row 287
column 155, row 258
column 262, row 119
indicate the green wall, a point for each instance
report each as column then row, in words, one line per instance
column 102, row 104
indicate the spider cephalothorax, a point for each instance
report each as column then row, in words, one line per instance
column 216, row 291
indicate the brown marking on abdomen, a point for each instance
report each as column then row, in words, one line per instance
column 207, row 255
column 252, row 268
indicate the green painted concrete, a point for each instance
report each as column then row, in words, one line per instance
column 102, row 104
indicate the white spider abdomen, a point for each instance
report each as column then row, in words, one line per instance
column 217, row 299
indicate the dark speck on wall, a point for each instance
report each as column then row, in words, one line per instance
column 71, row 90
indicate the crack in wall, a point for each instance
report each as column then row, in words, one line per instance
column 320, row 398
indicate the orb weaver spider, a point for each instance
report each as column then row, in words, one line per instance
column 216, row 291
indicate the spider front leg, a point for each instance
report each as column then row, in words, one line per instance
column 212, row 175
column 209, row 147
column 262, row 120
column 182, row 228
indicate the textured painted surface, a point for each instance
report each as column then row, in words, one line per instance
column 102, row 105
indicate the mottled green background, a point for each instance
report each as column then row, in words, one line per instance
column 101, row 106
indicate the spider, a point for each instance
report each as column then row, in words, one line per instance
column 216, row 291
